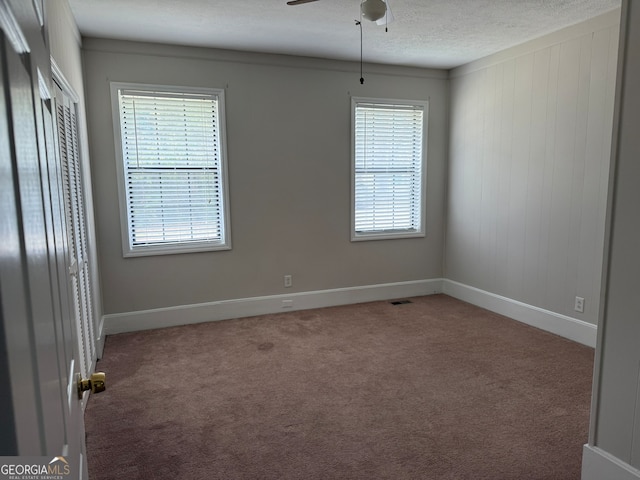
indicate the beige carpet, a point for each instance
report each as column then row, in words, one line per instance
column 433, row 389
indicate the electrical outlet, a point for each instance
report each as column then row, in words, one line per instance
column 288, row 281
column 579, row 305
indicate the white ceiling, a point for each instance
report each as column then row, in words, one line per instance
column 425, row 33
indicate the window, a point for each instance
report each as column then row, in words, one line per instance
column 387, row 168
column 172, row 169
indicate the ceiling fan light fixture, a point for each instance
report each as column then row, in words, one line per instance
column 373, row 9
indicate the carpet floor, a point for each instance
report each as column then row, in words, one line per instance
column 432, row 389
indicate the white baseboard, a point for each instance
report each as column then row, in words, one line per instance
column 571, row 328
column 568, row 327
column 100, row 339
column 600, row 465
column 246, row 307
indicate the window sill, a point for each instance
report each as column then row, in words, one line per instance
column 173, row 250
column 363, row 237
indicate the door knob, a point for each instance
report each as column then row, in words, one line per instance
column 95, row 383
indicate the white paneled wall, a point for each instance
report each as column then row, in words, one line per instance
column 529, row 161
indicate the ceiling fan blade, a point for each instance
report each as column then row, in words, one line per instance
column 388, row 16
column 300, row 2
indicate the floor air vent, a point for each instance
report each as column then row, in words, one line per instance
column 400, row 302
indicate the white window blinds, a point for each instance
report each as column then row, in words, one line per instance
column 388, row 169
column 173, row 169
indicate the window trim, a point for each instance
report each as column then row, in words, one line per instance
column 387, row 235
column 127, row 249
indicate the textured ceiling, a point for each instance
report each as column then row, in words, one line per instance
column 425, row 33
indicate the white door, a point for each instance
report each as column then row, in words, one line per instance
column 68, row 148
column 41, row 412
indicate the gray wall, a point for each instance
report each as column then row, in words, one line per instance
column 616, row 412
column 528, row 168
column 288, row 129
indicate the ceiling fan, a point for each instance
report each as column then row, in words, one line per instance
column 378, row 11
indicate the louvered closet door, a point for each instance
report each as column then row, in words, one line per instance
column 76, row 228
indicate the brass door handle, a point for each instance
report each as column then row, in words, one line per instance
column 95, row 383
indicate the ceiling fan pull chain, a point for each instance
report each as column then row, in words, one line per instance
column 359, row 24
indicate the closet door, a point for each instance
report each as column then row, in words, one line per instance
column 76, row 227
